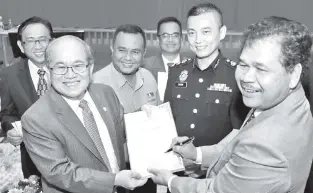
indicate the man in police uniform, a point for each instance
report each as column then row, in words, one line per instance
column 204, row 97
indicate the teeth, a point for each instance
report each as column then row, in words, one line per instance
column 71, row 83
column 249, row 90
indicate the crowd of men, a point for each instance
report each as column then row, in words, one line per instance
column 251, row 120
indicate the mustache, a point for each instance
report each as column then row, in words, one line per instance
column 247, row 85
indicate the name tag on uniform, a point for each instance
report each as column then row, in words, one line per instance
column 181, row 84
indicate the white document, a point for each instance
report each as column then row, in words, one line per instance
column 149, row 137
column 162, row 81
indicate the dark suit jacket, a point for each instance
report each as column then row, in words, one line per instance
column 61, row 147
column 17, row 95
column 272, row 153
column 155, row 64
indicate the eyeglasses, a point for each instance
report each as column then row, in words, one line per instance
column 41, row 41
column 77, row 69
column 166, row 35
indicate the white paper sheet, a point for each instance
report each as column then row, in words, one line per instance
column 149, row 137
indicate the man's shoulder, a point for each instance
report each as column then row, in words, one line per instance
column 146, row 74
column 228, row 63
column 102, row 74
column 185, row 63
column 98, row 87
column 13, row 69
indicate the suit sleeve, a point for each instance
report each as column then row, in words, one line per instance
column 51, row 160
column 9, row 112
column 255, row 166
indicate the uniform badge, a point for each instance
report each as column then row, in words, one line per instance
column 183, row 76
column 232, row 63
column 151, row 94
column 219, row 87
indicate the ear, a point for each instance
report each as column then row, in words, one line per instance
column 144, row 53
column 295, row 76
column 111, row 47
column 91, row 69
column 223, row 31
column 19, row 44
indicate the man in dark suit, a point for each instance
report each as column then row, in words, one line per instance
column 272, row 151
column 22, row 84
column 169, row 32
column 75, row 132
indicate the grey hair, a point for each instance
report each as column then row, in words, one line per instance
column 88, row 49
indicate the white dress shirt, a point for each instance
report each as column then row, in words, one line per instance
column 163, row 76
column 103, row 131
column 33, row 69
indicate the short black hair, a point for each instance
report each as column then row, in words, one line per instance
column 34, row 20
column 167, row 20
column 204, row 8
column 294, row 38
column 131, row 29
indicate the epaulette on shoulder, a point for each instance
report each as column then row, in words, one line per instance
column 231, row 63
column 183, row 62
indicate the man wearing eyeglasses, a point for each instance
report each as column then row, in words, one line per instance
column 75, row 132
column 169, row 33
column 24, row 83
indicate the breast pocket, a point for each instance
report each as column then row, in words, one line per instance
column 179, row 102
column 218, row 102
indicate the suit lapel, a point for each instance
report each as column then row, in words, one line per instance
column 101, row 104
column 73, row 123
column 26, row 82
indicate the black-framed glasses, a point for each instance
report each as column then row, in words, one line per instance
column 167, row 35
column 41, row 41
column 77, row 69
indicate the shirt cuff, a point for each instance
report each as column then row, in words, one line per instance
column 169, row 182
column 199, row 156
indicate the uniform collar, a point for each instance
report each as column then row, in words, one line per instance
column 121, row 80
column 213, row 65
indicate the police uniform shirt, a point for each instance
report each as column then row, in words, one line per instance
column 202, row 101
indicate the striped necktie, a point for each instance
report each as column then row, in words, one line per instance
column 252, row 116
column 92, row 129
column 42, row 86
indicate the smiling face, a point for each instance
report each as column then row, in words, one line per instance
column 69, row 52
column 170, row 38
column 35, row 50
column 205, row 33
column 127, row 52
column 262, row 79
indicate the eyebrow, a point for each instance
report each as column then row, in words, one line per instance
column 36, row 37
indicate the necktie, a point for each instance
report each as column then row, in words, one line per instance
column 92, row 129
column 42, row 86
column 250, row 118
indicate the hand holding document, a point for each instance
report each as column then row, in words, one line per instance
column 148, row 137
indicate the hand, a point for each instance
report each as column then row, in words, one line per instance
column 192, row 169
column 15, row 135
column 187, row 151
column 129, row 179
column 160, row 176
column 148, row 108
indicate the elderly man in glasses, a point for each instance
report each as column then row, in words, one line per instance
column 22, row 84
column 75, row 132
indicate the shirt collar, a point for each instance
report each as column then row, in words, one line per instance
column 213, row 65
column 176, row 60
column 35, row 68
column 121, row 80
column 74, row 104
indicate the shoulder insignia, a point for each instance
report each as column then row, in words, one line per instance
column 231, row 62
column 183, row 62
